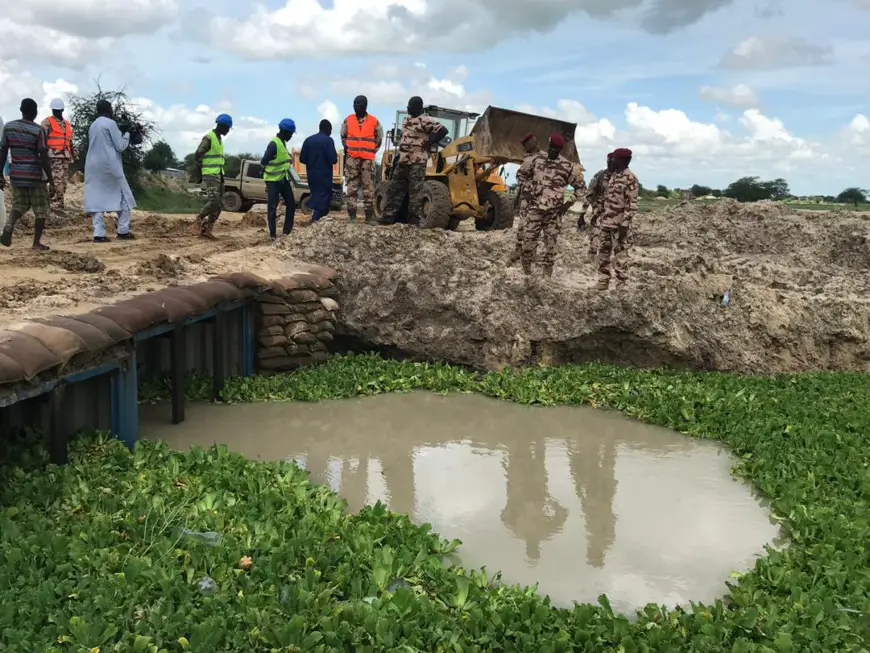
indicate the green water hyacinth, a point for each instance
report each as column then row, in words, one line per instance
column 205, row 551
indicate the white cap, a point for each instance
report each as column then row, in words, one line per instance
column 57, row 104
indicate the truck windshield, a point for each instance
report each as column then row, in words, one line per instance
column 453, row 126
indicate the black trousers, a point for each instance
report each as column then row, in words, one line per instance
column 274, row 190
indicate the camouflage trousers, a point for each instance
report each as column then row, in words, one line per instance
column 359, row 173
column 59, row 176
column 522, row 210
column 408, row 178
column 212, row 190
column 550, row 224
column 595, row 231
column 613, row 252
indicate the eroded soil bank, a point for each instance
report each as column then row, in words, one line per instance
column 579, row 500
column 798, row 292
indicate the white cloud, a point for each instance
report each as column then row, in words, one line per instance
column 349, row 27
column 779, row 51
column 739, row 95
column 93, row 19
column 399, row 83
column 328, row 110
column 183, row 127
column 73, row 33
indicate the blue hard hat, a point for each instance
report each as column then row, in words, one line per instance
column 287, row 125
column 224, row 119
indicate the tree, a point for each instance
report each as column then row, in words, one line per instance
column 752, row 189
column 82, row 111
column 701, row 191
column 854, row 196
column 662, row 191
column 160, row 157
column 716, row 192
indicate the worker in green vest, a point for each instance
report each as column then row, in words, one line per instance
column 276, row 174
column 209, row 171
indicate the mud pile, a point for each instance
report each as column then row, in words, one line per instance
column 798, row 292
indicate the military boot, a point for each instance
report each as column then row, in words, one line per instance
column 351, row 214
column 370, row 215
column 208, row 230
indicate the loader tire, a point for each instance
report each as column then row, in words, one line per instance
column 380, row 198
column 437, row 206
column 500, row 214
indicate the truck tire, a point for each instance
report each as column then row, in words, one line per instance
column 232, row 201
column 500, row 214
column 303, row 205
column 437, row 206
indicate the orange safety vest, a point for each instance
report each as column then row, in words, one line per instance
column 59, row 136
column 361, row 139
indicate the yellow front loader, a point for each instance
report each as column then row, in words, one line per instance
column 465, row 171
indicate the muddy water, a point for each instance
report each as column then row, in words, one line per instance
column 580, row 501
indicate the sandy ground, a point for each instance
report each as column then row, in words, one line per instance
column 78, row 274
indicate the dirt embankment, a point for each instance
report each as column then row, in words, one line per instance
column 799, row 285
column 799, row 292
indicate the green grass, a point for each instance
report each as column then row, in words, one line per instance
column 95, row 555
column 163, row 200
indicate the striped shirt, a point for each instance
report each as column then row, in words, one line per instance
column 25, row 140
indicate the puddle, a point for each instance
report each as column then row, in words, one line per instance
column 580, row 501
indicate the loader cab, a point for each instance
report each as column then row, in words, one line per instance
column 458, row 123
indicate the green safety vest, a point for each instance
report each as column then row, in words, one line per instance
column 279, row 167
column 213, row 161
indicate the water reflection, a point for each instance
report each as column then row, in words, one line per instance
column 531, row 492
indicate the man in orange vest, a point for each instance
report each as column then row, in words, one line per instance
column 61, row 153
column 361, row 138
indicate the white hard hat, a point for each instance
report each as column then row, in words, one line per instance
column 57, row 104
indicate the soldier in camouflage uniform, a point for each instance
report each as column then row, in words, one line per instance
column 419, row 133
column 361, row 137
column 620, row 207
column 209, row 171
column 551, row 175
column 521, row 201
column 595, row 198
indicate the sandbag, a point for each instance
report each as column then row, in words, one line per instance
column 94, row 339
column 153, row 309
column 28, row 352
column 243, row 280
column 197, row 303
column 10, row 370
column 216, row 292
column 62, row 342
column 176, row 308
column 129, row 318
column 104, row 324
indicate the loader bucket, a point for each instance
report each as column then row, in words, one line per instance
column 498, row 132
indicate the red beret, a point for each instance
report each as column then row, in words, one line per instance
column 622, row 153
column 527, row 137
column 557, row 140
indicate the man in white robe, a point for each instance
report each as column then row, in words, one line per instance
column 106, row 187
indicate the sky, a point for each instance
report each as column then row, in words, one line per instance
column 703, row 91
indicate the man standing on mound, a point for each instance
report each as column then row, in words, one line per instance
column 27, row 173
column 106, row 187
column 209, row 158
column 620, row 207
column 521, row 200
column 550, row 178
